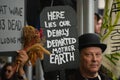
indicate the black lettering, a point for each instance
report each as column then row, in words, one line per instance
column 115, row 48
column 19, row 40
column 14, row 25
column 113, row 57
column 3, row 9
column 115, row 8
column 2, row 24
column 16, row 11
column 115, row 31
column 8, row 40
column 115, row 37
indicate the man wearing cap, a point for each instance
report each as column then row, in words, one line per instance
column 91, row 50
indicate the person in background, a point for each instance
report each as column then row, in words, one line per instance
column 7, row 72
column 97, row 23
column 15, row 70
column 2, row 62
column 90, row 50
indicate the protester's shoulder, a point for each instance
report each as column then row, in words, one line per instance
column 74, row 74
column 105, row 77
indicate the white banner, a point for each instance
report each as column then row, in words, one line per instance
column 110, row 35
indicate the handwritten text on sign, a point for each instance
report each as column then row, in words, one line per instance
column 11, row 23
column 60, row 40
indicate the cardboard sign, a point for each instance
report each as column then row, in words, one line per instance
column 59, row 27
column 11, row 23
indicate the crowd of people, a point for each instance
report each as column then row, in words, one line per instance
column 90, row 51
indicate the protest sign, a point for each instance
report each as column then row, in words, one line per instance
column 11, row 23
column 59, row 27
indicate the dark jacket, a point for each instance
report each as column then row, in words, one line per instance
column 14, row 77
column 77, row 76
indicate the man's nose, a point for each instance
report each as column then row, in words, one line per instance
column 94, row 58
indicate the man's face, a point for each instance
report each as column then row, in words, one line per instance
column 9, row 72
column 91, row 59
column 98, row 26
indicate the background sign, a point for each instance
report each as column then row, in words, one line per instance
column 59, row 27
column 11, row 23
